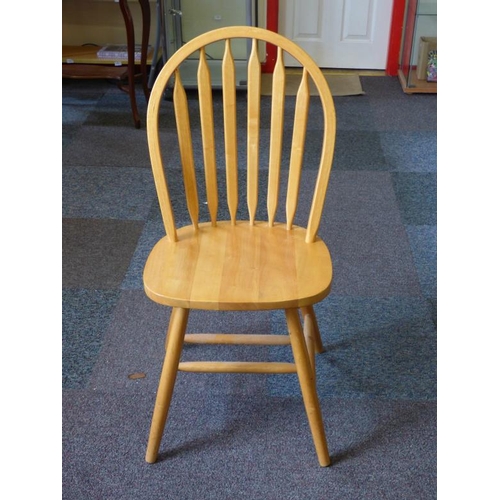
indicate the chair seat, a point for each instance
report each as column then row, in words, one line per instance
column 240, row 266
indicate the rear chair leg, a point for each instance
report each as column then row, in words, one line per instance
column 175, row 341
column 309, row 310
column 309, row 336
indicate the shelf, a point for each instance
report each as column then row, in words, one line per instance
column 87, row 54
column 423, row 86
column 94, row 71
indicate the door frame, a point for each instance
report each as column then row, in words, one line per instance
column 395, row 36
column 396, row 32
column 272, row 11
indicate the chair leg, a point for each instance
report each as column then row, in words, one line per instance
column 307, row 385
column 175, row 340
column 310, row 337
column 309, row 310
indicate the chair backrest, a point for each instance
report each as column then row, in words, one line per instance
column 197, row 48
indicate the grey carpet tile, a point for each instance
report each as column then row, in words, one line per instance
column 354, row 195
column 423, row 243
column 314, row 116
column 68, row 133
column 97, row 252
column 343, row 318
column 79, row 98
column 356, row 150
column 315, row 113
column 171, row 154
column 386, row 92
column 432, row 301
column 177, row 196
column 115, row 110
column 76, row 111
column 354, row 113
column 135, row 343
column 413, row 113
column 76, row 89
column 395, row 111
column 107, row 192
column 394, row 367
column 406, row 370
column 410, row 151
column 382, row 87
column 417, row 197
column 176, row 189
column 153, row 231
column 108, row 146
column 216, row 448
column 154, row 211
column 85, row 317
column 311, row 156
column 362, row 196
column 374, row 347
column 359, row 150
column 370, row 259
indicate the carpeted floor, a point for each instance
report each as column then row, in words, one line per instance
column 246, row 436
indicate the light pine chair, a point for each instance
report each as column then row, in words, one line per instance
column 240, row 265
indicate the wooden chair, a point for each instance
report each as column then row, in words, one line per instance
column 240, row 265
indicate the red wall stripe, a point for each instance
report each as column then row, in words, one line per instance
column 272, row 25
column 398, row 12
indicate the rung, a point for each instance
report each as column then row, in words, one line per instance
column 234, row 338
column 237, row 367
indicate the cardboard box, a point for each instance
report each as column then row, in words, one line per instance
column 427, row 43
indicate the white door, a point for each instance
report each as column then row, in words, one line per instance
column 339, row 33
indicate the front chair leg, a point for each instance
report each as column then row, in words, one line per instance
column 175, row 341
column 307, row 385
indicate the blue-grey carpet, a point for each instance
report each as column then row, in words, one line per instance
column 246, row 436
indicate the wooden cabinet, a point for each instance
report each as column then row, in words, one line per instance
column 90, row 24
